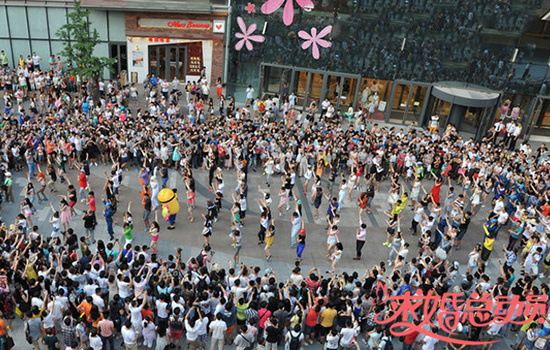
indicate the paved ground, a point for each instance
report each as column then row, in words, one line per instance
column 187, row 235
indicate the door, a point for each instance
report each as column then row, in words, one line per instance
column 315, row 88
column 181, row 72
column 400, row 103
column 299, row 87
column 154, row 60
column 119, row 54
column 162, row 57
column 334, row 88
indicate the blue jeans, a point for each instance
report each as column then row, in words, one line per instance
column 172, row 219
column 164, row 181
column 32, row 168
column 108, row 340
column 3, row 340
column 110, row 227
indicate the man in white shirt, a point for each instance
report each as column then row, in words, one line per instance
column 36, row 61
column 249, row 95
column 514, row 137
column 217, row 330
column 98, row 300
column 129, row 335
column 324, row 106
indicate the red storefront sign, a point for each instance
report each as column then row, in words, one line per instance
column 181, row 24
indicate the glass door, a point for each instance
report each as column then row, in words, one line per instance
column 315, row 88
column 162, row 62
column 299, row 87
column 173, row 62
column 349, row 87
column 400, row 103
column 182, row 63
column 414, row 109
column 153, row 60
column 333, row 90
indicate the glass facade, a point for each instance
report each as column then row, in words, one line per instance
column 385, row 43
column 27, row 29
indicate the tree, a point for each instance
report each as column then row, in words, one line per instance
column 79, row 42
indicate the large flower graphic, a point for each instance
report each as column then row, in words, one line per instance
column 315, row 39
column 271, row 6
column 246, row 36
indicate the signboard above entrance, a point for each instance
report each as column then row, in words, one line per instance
column 170, row 23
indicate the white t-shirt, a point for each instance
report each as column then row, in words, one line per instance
column 434, row 122
column 348, row 335
column 429, row 343
column 129, row 335
column 218, row 328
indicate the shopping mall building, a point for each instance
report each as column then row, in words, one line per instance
column 410, row 59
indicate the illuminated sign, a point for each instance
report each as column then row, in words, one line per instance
column 180, row 24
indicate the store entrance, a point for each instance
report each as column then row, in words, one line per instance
column 168, row 61
column 539, row 125
column 310, row 86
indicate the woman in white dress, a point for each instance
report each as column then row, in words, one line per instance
column 155, row 189
column 268, row 169
column 415, row 191
column 476, row 197
column 307, row 176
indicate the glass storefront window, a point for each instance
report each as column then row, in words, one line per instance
column 272, row 79
column 370, row 86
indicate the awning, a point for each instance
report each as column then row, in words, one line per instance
column 465, row 95
column 176, row 6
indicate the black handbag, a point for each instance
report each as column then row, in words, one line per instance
column 28, row 334
column 9, row 343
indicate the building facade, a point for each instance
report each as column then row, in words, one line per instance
column 411, row 58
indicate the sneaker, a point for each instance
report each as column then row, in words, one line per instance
column 356, row 258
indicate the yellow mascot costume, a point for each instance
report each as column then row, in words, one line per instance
column 169, row 200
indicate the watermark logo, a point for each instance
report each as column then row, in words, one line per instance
column 412, row 312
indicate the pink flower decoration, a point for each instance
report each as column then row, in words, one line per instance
column 250, row 8
column 246, row 36
column 271, row 6
column 315, row 39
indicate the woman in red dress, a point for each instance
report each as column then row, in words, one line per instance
column 436, row 189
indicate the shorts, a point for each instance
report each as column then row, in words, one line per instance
column 115, row 190
column 230, row 330
column 148, row 343
column 203, row 338
column 308, row 329
column 242, row 214
column 237, row 250
column 146, row 214
column 331, row 241
column 72, row 204
column 378, row 176
column 324, row 330
column 176, row 334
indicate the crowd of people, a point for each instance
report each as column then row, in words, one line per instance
column 76, row 292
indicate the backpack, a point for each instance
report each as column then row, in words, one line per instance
column 295, row 341
column 202, row 285
column 389, row 344
column 177, row 323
